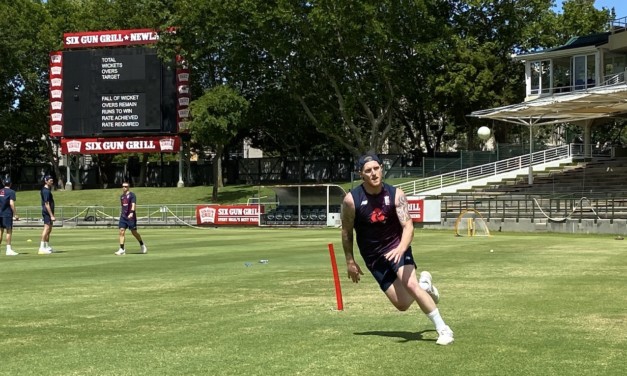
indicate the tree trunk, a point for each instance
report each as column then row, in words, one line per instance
column 106, row 173
column 54, row 161
column 217, row 173
column 142, row 170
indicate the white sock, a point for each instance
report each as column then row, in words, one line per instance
column 437, row 320
column 42, row 245
column 8, row 248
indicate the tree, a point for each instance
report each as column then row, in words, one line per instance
column 279, row 126
column 580, row 18
column 346, row 70
column 26, row 41
column 333, row 58
column 216, row 119
column 477, row 69
column 366, row 73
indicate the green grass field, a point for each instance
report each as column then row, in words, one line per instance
column 538, row 305
column 230, row 194
column 146, row 196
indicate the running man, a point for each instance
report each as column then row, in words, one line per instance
column 47, row 213
column 8, row 214
column 379, row 215
column 128, row 219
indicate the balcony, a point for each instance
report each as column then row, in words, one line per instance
column 608, row 80
column 583, row 63
column 618, row 24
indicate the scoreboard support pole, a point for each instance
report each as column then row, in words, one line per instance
column 181, row 183
column 68, row 182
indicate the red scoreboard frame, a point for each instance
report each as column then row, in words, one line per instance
column 115, row 96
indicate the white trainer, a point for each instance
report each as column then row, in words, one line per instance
column 11, row 252
column 445, row 336
column 120, row 252
column 44, row 251
column 144, row 248
column 425, row 283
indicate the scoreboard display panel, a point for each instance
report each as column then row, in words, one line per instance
column 111, row 92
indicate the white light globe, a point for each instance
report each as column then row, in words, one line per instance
column 483, row 133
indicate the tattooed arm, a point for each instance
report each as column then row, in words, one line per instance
column 348, row 223
column 402, row 211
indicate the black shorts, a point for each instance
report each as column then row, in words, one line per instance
column 130, row 224
column 384, row 271
column 6, row 222
column 47, row 219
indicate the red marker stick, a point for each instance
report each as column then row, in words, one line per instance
column 336, row 279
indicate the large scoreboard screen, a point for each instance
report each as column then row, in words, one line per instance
column 110, row 93
column 117, row 91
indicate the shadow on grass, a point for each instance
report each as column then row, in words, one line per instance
column 404, row 336
column 37, row 253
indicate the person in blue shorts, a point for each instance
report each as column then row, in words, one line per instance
column 378, row 214
column 128, row 219
column 7, row 214
column 47, row 213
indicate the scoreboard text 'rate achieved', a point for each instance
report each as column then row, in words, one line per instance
column 118, row 92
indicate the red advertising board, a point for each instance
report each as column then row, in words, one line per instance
column 220, row 215
column 416, row 209
column 156, row 144
column 110, row 38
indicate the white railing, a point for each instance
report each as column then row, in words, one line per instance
column 618, row 24
column 504, row 166
column 614, row 79
column 147, row 215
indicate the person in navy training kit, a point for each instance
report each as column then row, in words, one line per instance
column 47, row 212
column 7, row 214
column 379, row 215
column 128, row 219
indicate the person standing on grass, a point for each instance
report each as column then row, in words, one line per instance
column 128, row 219
column 7, row 214
column 47, row 212
column 379, row 215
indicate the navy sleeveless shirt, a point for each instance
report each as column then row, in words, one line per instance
column 376, row 225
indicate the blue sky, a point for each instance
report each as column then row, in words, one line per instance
column 619, row 5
